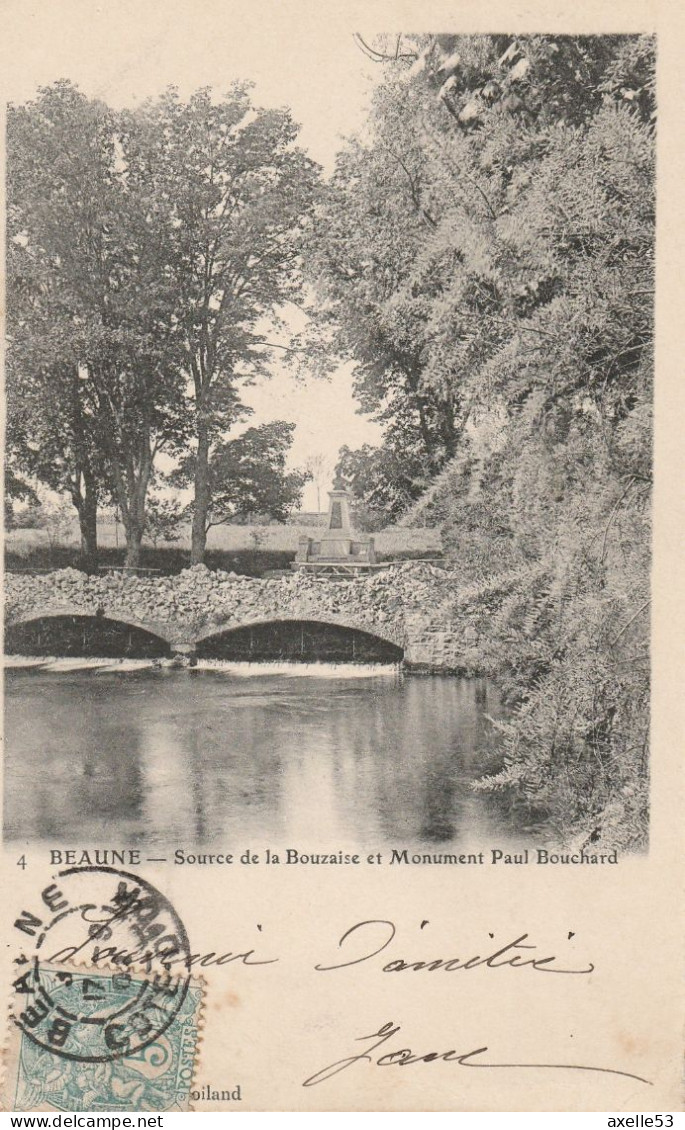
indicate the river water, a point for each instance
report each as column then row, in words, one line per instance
column 126, row 752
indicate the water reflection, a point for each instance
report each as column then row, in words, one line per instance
column 164, row 757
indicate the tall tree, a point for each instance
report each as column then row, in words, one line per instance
column 499, row 219
column 429, row 248
column 90, row 309
column 56, row 149
column 237, row 192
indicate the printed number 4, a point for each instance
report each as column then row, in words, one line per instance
column 21, row 862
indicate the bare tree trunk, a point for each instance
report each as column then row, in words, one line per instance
column 134, row 518
column 84, row 498
column 130, row 491
column 198, row 542
column 448, row 429
column 87, row 517
column 134, row 544
column 130, row 456
column 84, row 487
column 134, row 522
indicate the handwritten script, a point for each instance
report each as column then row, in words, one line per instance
column 407, row 1057
column 363, row 942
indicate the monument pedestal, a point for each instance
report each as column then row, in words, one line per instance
column 336, row 545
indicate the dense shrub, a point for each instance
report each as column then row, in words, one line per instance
column 488, row 252
column 247, row 562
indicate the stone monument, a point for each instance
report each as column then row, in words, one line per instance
column 338, row 548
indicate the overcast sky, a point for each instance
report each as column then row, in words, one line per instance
column 298, row 53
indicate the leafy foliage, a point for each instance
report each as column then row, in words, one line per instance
column 234, row 192
column 147, row 251
column 385, row 480
column 248, row 476
column 488, row 252
column 95, row 380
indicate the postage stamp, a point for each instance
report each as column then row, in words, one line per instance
column 156, row 1077
column 99, row 916
column 105, row 1014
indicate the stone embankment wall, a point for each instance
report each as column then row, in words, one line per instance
column 409, row 605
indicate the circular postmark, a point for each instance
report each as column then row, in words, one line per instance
column 108, row 967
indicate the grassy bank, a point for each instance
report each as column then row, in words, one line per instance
column 169, row 560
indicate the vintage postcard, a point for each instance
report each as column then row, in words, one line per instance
column 343, row 414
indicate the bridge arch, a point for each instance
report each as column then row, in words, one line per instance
column 73, row 632
column 306, row 638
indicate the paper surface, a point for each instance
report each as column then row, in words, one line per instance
column 516, row 985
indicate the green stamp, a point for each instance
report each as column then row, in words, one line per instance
column 156, row 1077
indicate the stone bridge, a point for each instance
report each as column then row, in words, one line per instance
column 402, row 613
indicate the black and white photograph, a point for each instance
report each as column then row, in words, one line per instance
column 342, row 549
column 329, row 446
